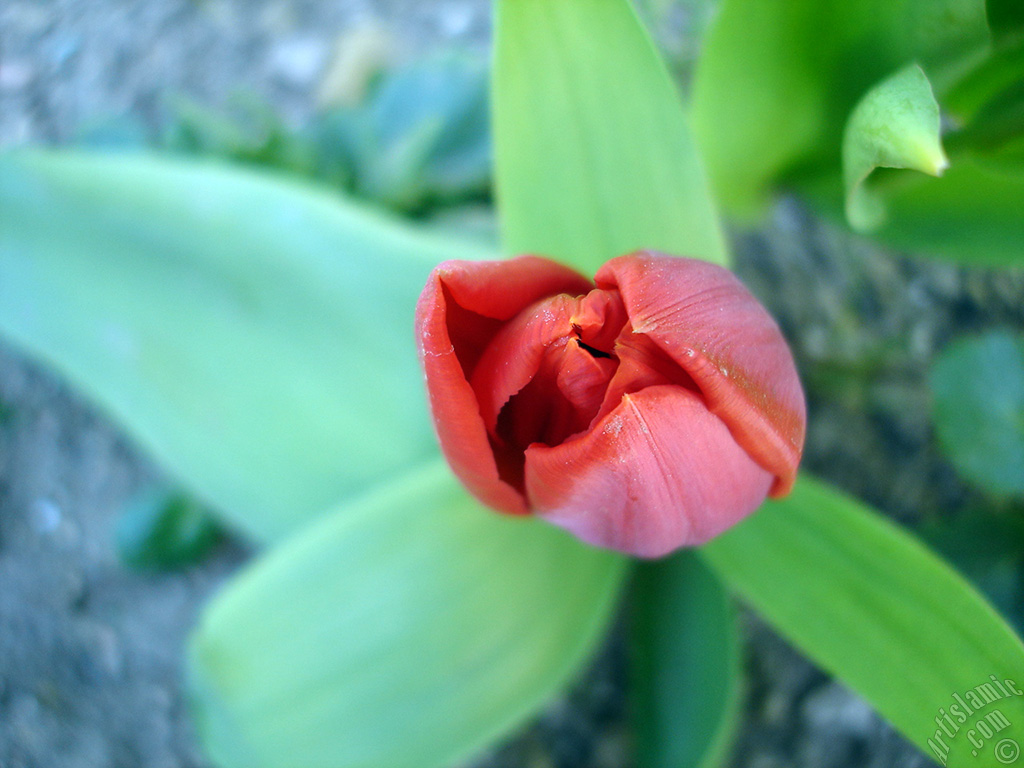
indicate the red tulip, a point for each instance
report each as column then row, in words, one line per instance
column 649, row 412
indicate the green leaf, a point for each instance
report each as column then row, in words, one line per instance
column 978, row 394
column 685, row 671
column 778, row 79
column 593, row 154
column 996, row 135
column 407, row 631
column 986, row 107
column 895, row 125
column 876, row 608
column 1006, row 17
column 972, row 215
column 993, row 75
column 254, row 334
column 163, row 529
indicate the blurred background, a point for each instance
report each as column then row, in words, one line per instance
column 104, row 564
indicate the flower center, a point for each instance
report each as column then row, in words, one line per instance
column 594, row 351
column 559, row 366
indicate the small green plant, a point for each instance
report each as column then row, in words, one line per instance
column 162, row 529
column 417, row 142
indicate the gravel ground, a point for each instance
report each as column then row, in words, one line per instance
column 65, row 63
column 90, row 652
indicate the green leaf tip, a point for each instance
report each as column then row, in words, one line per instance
column 895, row 125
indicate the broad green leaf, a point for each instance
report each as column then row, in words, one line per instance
column 895, row 125
column 978, row 392
column 1006, row 17
column 876, row 608
column 685, row 664
column 996, row 135
column 407, row 630
column 972, row 215
column 254, row 334
column 593, row 154
column 994, row 74
column 987, row 109
column 778, row 79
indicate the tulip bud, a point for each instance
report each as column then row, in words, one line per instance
column 649, row 410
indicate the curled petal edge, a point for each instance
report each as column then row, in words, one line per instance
column 710, row 325
column 491, row 291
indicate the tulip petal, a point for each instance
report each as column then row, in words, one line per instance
column 702, row 317
column 516, row 352
column 502, row 289
column 582, row 380
column 642, row 364
column 461, row 308
column 548, row 336
column 657, row 473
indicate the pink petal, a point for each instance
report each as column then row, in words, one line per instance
column 515, row 354
column 705, row 320
column 546, row 334
column 463, row 305
column 657, row 473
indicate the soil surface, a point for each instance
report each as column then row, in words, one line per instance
column 90, row 651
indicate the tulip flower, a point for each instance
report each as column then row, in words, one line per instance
column 645, row 411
